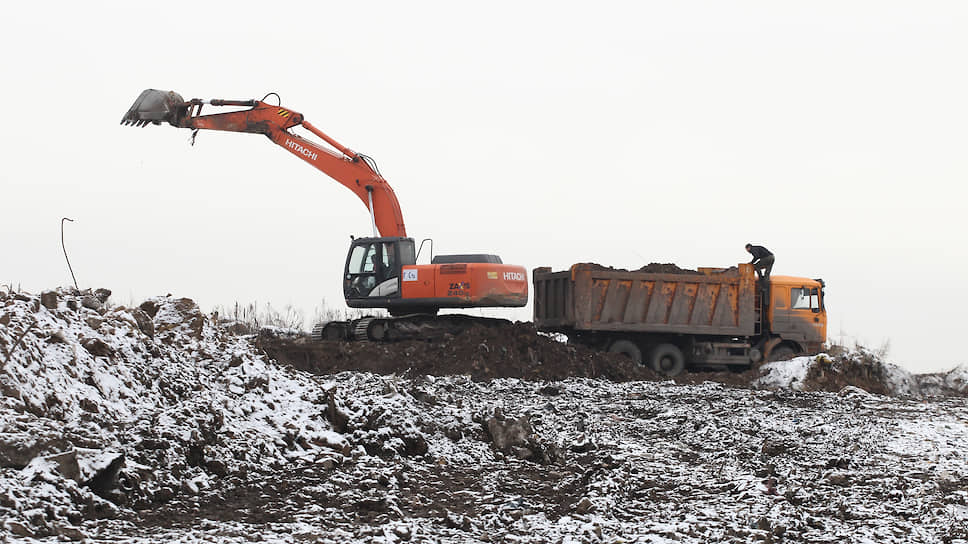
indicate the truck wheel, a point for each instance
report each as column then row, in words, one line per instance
column 755, row 355
column 628, row 349
column 667, row 359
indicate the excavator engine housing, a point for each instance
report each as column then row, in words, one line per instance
column 383, row 273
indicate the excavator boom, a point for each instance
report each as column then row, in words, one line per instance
column 353, row 170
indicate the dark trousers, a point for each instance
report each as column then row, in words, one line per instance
column 765, row 264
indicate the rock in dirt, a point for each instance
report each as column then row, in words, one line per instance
column 17, row 528
column 64, row 463
column 145, row 324
column 507, row 433
column 584, row 506
column 92, row 303
column 48, row 299
column 102, row 294
column 97, row 347
column 516, row 436
column 150, row 307
column 19, row 446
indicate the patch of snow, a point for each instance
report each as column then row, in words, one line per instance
column 787, row 374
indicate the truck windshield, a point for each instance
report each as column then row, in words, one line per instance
column 805, row 298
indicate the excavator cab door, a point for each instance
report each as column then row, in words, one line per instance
column 373, row 268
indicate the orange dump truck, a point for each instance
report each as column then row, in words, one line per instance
column 671, row 319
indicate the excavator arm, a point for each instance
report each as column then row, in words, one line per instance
column 354, row 170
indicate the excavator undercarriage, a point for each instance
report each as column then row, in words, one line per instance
column 397, row 328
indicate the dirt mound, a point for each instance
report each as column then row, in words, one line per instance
column 501, row 350
column 833, row 375
column 665, row 268
column 655, row 268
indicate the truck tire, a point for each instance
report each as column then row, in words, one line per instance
column 628, row 349
column 667, row 359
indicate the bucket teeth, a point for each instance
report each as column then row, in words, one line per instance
column 138, row 122
column 153, row 107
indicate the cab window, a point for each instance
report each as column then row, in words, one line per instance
column 389, row 258
column 805, row 298
column 360, row 273
column 407, row 256
column 356, row 260
column 369, row 262
column 361, row 260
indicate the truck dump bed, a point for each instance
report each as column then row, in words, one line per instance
column 589, row 297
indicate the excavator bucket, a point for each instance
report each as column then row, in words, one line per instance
column 154, row 106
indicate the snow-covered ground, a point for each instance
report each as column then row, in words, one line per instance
column 154, row 423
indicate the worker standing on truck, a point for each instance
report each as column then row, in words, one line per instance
column 762, row 260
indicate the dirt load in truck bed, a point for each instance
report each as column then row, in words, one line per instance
column 655, row 268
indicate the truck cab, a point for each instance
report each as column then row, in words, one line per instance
column 796, row 312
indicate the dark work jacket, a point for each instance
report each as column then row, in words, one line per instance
column 759, row 252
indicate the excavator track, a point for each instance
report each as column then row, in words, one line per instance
column 361, row 329
column 398, row 328
column 331, row 330
column 317, row 333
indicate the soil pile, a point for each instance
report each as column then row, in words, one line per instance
column 654, row 268
column 665, row 268
column 495, row 350
column 501, row 349
column 105, row 411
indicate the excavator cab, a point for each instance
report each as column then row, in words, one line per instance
column 373, row 269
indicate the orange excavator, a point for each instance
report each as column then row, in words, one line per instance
column 381, row 271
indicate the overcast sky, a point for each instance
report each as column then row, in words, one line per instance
column 623, row 133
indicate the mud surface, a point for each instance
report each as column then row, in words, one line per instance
column 158, row 424
column 498, row 350
column 723, row 464
column 517, row 350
